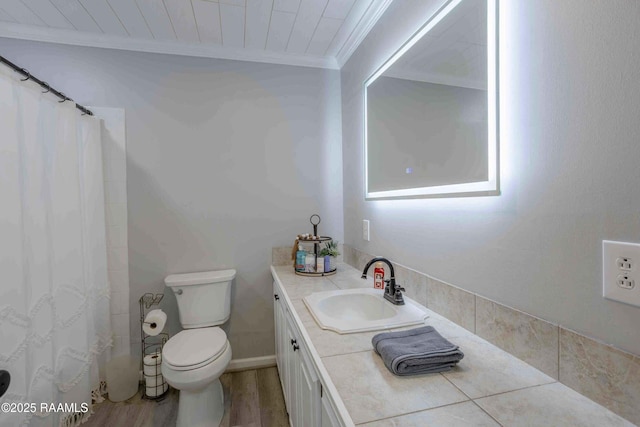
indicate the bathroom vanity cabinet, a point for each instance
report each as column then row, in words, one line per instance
column 332, row 379
column 306, row 402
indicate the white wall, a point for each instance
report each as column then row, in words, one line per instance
column 225, row 159
column 570, row 145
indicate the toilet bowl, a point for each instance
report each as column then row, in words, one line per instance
column 192, row 363
column 194, row 359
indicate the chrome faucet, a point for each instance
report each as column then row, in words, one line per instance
column 392, row 292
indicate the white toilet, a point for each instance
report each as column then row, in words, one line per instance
column 194, row 359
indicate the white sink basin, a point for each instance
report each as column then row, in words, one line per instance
column 359, row 310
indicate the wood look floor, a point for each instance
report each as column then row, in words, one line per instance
column 252, row 399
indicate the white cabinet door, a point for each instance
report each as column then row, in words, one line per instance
column 327, row 415
column 293, row 369
column 300, row 384
column 308, row 389
column 277, row 316
column 279, row 313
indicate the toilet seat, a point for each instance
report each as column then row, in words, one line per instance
column 194, row 348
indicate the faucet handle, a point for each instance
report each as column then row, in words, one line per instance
column 397, row 287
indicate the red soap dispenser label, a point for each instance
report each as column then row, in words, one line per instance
column 378, row 277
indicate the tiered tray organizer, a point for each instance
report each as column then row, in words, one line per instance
column 316, row 246
column 151, row 345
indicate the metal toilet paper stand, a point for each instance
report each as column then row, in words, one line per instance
column 152, row 345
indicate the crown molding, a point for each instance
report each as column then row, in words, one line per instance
column 77, row 38
column 366, row 23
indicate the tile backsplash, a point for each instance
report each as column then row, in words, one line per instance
column 529, row 338
column 605, row 374
column 453, row 303
column 281, row 256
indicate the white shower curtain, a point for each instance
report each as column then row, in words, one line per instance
column 55, row 329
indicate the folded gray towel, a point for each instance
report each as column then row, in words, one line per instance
column 416, row 351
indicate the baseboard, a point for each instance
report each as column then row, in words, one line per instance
column 251, row 363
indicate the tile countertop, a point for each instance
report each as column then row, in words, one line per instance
column 489, row 387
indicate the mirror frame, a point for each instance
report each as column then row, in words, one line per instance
column 491, row 187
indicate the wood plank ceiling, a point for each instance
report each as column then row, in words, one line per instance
column 320, row 33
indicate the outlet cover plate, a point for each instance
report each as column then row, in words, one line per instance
column 365, row 229
column 612, row 253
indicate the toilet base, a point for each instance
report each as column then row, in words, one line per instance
column 201, row 408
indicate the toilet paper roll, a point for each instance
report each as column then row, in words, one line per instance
column 154, row 322
column 153, row 381
column 152, row 364
column 156, row 391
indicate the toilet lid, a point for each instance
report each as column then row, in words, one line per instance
column 194, row 346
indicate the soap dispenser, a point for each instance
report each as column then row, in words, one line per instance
column 301, row 256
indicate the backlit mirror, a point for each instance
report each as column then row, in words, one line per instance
column 431, row 115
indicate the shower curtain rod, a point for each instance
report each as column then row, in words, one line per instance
column 24, row 72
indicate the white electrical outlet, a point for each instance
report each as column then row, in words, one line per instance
column 624, row 263
column 620, row 271
column 365, row 229
column 625, row 282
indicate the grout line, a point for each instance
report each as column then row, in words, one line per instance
column 488, row 414
column 415, row 412
column 453, row 384
column 341, row 354
column 475, row 314
column 514, row 390
column 559, row 331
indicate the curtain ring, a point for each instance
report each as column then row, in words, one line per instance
column 63, row 97
column 45, row 84
column 24, row 70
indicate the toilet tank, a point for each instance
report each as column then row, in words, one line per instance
column 204, row 298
